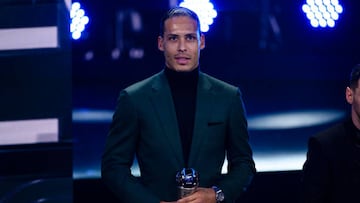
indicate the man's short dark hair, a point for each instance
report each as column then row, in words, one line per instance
column 354, row 76
column 178, row 11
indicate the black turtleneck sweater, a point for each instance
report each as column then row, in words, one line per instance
column 183, row 86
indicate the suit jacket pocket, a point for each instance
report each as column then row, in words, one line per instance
column 215, row 123
column 216, row 129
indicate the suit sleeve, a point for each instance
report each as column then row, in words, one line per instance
column 315, row 173
column 241, row 166
column 119, row 154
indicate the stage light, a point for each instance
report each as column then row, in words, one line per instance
column 294, row 119
column 78, row 20
column 322, row 13
column 204, row 9
column 92, row 116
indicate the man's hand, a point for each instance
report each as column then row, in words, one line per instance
column 201, row 195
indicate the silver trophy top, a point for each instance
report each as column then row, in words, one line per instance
column 187, row 178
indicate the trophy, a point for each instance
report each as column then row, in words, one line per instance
column 187, row 180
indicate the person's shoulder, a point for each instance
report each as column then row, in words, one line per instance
column 218, row 83
column 333, row 133
column 143, row 84
column 333, row 139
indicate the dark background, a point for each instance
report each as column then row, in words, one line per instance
column 36, row 84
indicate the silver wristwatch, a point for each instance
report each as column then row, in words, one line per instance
column 219, row 194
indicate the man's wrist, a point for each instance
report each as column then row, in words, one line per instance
column 219, row 194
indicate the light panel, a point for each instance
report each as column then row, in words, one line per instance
column 29, row 38
column 205, row 11
column 78, row 20
column 322, row 13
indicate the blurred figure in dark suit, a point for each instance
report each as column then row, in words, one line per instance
column 331, row 173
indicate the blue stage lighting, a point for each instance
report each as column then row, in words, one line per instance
column 78, row 20
column 322, row 13
column 204, row 9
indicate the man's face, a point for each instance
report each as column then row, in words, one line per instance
column 181, row 43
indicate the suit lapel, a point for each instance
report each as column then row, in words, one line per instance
column 204, row 104
column 163, row 103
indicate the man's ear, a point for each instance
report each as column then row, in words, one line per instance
column 160, row 43
column 202, row 41
column 349, row 95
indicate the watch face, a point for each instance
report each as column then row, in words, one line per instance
column 220, row 196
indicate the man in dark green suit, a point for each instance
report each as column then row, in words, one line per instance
column 178, row 118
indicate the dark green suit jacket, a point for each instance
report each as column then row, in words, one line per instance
column 145, row 124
